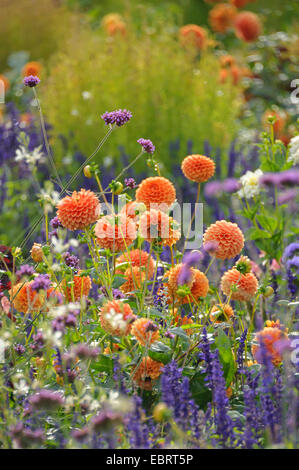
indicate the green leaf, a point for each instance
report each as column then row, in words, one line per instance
column 267, row 222
column 160, row 352
column 226, row 356
column 200, row 392
column 103, row 364
column 118, row 281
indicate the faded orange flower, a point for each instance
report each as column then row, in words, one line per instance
column 116, row 318
column 193, row 35
column 145, row 331
column 115, row 233
column 221, row 313
column 247, row 26
column 32, row 68
column 24, row 299
column 222, row 16
column 80, row 287
column 272, row 338
column 156, row 226
column 147, row 371
column 137, row 258
column 241, row 287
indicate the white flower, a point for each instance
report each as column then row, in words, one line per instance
column 21, row 388
column 250, row 184
column 86, row 95
column 31, row 158
column 116, row 319
column 294, row 150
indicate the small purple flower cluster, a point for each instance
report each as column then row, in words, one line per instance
column 31, row 81
column 147, row 145
column 41, row 282
column 119, row 117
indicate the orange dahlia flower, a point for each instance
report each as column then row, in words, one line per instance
column 79, row 210
column 115, row 233
column 32, row 68
column 135, row 278
column 240, row 286
column 156, row 226
column 145, row 331
column 36, row 252
column 247, row 26
column 80, row 288
column 116, row 318
column 24, row 299
column 147, row 371
column 198, row 284
column 227, row 237
column 271, row 338
column 181, row 321
column 132, row 210
column 114, row 24
column 193, row 35
column 221, row 17
column 234, row 74
column 6, row 83
column 137, row 258
column 198, row 168
column 227, row 60
column 221, row 313
column 156, row 190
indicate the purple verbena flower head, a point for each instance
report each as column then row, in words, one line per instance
column 185, row 275
column 130, row 183
column 291, row 250
column 71, row 260
column 55, row 223
column 31, row 81
column 46, row 400
column 289, row 178
column 287, row 196
column 147, row 145
column 231, row 185
column 83, row 351
column 213, row 188
column 193, row 258
column 119, row 117
column 211, row 246
column 41, row 282
column 25, row 270
column 270, row 179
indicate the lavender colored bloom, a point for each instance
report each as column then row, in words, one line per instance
column 118, row 294
column 130, row 183
column 213, row 189
column 83, row 351
column 290, row 251
column 208, row 357
column 31, row 81
column 193, row 258
column 241, row 349
column 119, row 117
column 211, row 246
column 185, row 275
column 46, row 400
column 286, row 196
column 25, row 270
column 231, row 185
column 20, row 349
column 52, row 234
column 55, row 223
column 71, row 260
column 270, row 179
column 105, row 420
column 139, row 433
column 289, row 178
column 147, row 145
column 41, row 282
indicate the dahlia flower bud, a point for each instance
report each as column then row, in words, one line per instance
column 36, row 252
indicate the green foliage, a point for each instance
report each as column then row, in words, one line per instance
column 171, row 93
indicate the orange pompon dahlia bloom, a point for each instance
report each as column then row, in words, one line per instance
column 115, row 232
column 239, row 286
column 135, row 278
column 37, row 252
column 79, row 210
column 137, row 258
column 192, row 35
column 181, row 321
column 113, row 24
column 147, row 371
column 145, row 331
column 6, row 83
column 226, row 236
column 156, row 190
column 116, row 318
column 198, row 284
column 274, row 340
column 156, row 226
column 24, row 299
column 222, row 16
column 247, row 26
column 198, row 168
column 132, row 210
column 80, row 287
column 221, row 313
column 32, row 68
